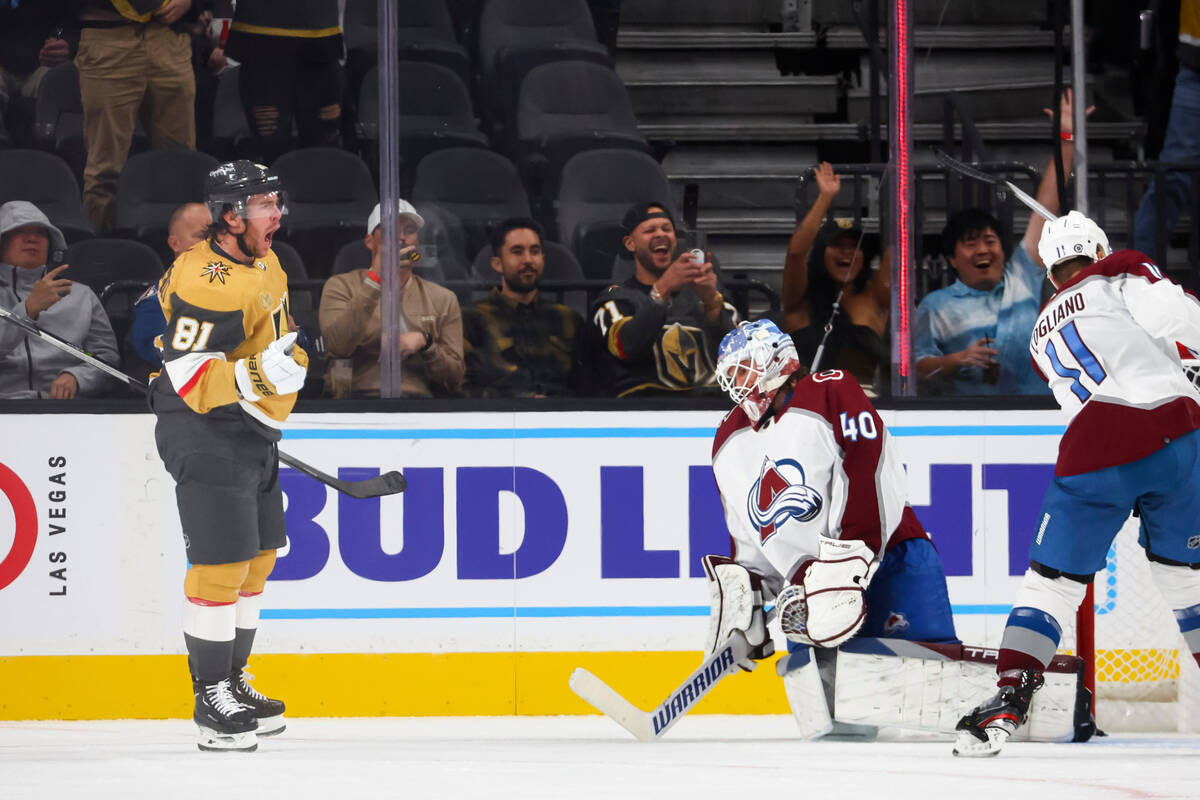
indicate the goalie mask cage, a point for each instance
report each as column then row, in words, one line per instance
column 1145, row 677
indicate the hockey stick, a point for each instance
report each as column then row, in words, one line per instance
column 966, row 170
column 649, row 726
column 388, row 483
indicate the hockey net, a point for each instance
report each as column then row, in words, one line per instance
column 1146, row 679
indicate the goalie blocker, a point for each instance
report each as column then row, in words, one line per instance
column 928, row 687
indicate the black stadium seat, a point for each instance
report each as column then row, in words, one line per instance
column 478, row 187
column 568, row 108
column 329, row 195
column 154, row 184
column 517, row 35
column 100, row 262
column 290, row 260
column 425, row 33
column 598, row 187
column 435, row 113
column 45, row 180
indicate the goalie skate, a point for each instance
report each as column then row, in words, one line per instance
column 984, row 731
column 224, row 723
column 268, row 712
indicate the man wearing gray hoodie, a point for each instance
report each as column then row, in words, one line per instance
column 30, row 368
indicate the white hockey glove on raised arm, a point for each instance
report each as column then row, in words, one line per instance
column 273, row 371
column 827, row 606
column 737, row 604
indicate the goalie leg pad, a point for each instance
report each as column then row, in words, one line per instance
column 735, row 595
column 929, row 687
column 805, row 692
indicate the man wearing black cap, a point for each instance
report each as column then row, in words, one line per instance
column 661, row 327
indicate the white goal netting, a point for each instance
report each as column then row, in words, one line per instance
column 1146, row 679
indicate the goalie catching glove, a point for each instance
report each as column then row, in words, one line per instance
column 826, row 607
column 279, row 369
column 737, row 604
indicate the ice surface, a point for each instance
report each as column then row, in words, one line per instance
column 704, row 756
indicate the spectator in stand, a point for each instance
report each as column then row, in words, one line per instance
column 432, row 346
column 187, row 227
column 1182, row 139
column 290, row 70
column 972, row 337
column 35, row 35
column 30, row 368
column 661, row 327
column 517, row 343
column 827, row 263
column 135, row 62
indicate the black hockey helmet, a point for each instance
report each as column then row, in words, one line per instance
column 231, row 185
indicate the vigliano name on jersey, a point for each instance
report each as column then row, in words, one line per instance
column 1072, row 304
column 683, row 699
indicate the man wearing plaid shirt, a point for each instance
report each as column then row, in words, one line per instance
column 518, row 344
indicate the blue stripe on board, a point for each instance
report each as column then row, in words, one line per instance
column 502, row 612
column 1037, row 621
column 639, row 433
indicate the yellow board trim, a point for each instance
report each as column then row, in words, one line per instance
column 371, row 684
column 291, row 33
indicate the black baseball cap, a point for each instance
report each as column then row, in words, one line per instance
column 641, row 212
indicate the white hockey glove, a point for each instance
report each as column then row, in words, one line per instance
column 827, row 607
column 279, row 369
column 737, row 604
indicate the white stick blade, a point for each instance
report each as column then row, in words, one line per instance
column 604, row 698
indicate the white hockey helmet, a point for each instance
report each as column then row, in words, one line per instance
column 753, row 361
column 1071, row 236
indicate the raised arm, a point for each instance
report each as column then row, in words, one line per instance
column 795, row 270
column 1047, row 193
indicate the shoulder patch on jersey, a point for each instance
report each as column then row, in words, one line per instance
column 215, row 271
column 264, row 300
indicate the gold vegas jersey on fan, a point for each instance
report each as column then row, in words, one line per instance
column 824, row 465
column 219, row 311
column 1108, row 343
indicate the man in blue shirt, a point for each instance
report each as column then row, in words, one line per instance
column 972, row 337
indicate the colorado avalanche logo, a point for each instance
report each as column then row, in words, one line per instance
column 779, row 494
column 896, row 623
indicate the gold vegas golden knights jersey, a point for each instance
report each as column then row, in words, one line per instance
column 219, row 311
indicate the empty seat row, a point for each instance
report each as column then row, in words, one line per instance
column 330, row 195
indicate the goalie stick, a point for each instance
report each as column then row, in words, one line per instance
column 388, row 483
column 966, row 170
column 649, row 726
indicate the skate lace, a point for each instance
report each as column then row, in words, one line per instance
column 220, row 696
column 244, row 682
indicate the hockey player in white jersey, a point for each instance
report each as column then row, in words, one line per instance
column 815, row 500
column 1107, row 344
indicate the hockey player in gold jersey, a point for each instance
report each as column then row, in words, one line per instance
column 231, row 368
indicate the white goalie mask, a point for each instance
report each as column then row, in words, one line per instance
column 1071, row 236
column 753, row 361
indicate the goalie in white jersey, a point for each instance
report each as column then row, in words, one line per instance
column 1108, row 342
column 815, row 500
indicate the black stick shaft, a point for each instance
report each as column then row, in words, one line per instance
column 32, row 329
